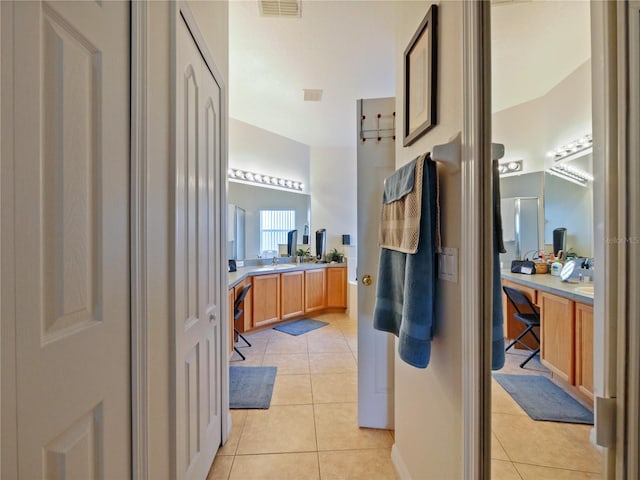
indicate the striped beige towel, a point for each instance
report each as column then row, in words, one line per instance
column 400, row 219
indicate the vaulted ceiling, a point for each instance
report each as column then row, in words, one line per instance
column 347, row 49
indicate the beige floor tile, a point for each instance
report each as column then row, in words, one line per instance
column 497, row 452
column 548, row 444
column 329, row 344
column 280, row 429
column 238, row 417
column 286, row 345
column 284, row 466
column 265, row 334
column 292, row 390
column 374, row 464
column 337, row 429
column 334, row 387
column 332, row 363
column 220, row 468
column 501, row 470
column 534, row 472
column 253, row 358
column 288, row 364
column 502, row 402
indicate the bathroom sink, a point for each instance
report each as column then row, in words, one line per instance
column 270, row 268
column 585, row 289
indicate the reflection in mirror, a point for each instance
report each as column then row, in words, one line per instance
column 559, row 203
column 244, row 205
column 569, row 205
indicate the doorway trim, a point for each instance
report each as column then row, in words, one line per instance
column 476, row 247
column 138, row 226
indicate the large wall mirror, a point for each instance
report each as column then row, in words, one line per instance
column 535, row 204
column 244, row 204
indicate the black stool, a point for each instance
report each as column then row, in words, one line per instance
column 237, row 311
column 527, row 313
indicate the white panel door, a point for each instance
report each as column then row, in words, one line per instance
column 376, row 161
column 71, row 183
column 197, row 262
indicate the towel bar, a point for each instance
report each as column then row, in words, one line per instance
column 449, row 153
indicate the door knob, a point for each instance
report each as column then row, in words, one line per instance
column 366, row 280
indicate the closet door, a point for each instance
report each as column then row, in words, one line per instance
column 197, row 262
column 70, row 223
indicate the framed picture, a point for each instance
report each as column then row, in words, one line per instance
column 420, row 75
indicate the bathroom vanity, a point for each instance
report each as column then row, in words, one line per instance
column 286, row 291
column 566, row 332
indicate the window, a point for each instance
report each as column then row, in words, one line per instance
column 274, row 225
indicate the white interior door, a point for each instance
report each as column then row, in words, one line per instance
column 197, row 262
column 376, row 161
column 71, row 253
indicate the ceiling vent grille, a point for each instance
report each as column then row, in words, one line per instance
column 280, row 8
column 311, row 95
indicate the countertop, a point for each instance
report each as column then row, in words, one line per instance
column 243, row 272
column 552, row 284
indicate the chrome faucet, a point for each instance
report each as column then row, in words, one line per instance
column 274, row 262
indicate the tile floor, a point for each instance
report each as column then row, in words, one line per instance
column 311, row 432
column 524, row 449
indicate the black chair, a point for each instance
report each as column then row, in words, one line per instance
column 237, row 311
column 527, row 313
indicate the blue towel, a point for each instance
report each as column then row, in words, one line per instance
column 405, row 296
column 400, row 183
column 497, row 331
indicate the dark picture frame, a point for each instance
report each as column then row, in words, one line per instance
column 420, row 79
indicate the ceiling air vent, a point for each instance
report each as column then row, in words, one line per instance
column 311, row 95
column 280, row 8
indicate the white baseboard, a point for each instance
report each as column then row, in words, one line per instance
column 398, row 463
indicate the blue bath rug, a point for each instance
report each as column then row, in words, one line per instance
column 251, row 387
column 544, row 400
column 298, row 327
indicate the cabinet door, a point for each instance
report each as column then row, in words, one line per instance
column 315, row 290
column 558, row 333
column 584, row 349
column 292, row 294
column 245, row 320
column 337, row 287
column 266, row 299
column 513, row 327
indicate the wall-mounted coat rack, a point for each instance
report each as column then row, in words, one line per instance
column 449, row 153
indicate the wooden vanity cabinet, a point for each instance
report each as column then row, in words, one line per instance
column 292, row 294
column 558, row 335
column 266, row 299
column 315, row 297
column 337, row 287
column 584, row 349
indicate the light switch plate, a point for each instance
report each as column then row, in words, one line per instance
column 448, row 264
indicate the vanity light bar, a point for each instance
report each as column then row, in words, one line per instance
column 235, row 174
column 577, row 146
column 510, row 167
column 571, row 174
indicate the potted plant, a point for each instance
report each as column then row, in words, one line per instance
column 335, row 256
column 302, row 253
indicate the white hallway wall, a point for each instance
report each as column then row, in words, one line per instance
column 261, row 151
column 329, row 175
column 428, row 403
column 333, row 199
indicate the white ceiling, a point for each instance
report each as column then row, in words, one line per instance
column 347, row 49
